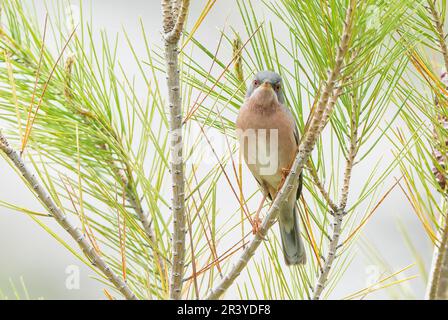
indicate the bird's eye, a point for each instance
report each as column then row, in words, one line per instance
column 256, row 83
column 277, row 87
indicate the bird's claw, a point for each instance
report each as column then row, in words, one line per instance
column 285, row 172
column 256, row 225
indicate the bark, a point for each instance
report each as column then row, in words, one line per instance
column 437, row 288
column 174, row 15
column 341, row 211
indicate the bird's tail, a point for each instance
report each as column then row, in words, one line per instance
column 293, row 248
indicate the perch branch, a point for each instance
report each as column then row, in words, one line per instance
column 173, row 24
column 303, row 154
column 64, row 221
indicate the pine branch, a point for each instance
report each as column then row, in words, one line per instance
column 124, row 175
column 305, row 148
column 437, row 287
column 173, row 24
column 341, row 209
column 63, row 220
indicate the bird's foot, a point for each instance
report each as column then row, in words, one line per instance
column 256, row 225
column 285, row 172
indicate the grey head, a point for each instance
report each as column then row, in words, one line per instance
column 273, row 78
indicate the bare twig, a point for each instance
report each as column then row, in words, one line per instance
column 352, row 152
column 174, row 16
column 319, row 184
column 305, row 149
column 341, row 209
column 63, row 220
column 437, row 283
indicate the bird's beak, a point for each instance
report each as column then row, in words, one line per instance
column 267, row 84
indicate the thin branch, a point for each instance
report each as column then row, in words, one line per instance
column 323, row 277
column 304, row 152
column 319, row 184
column 146, row 223
column 353, row 150
column 434, row 290
column 173, row 24
column 181, row 14
column 438, row 24
column 341, row 210
column 332, row 103
column 63, row 220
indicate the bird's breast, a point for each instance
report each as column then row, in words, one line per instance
column 266, row 140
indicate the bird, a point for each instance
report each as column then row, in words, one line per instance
column 261, row 120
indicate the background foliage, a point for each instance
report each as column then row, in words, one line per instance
column 100, row 146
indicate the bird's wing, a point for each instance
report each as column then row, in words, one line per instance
column 263, row 188
column 299, row 189
column 296, row 135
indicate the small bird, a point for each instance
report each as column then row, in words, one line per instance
column 269, row 142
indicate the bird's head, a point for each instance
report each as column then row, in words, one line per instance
column 266, row 85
